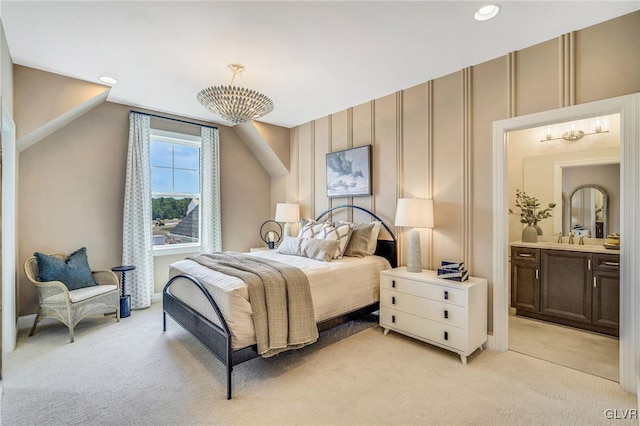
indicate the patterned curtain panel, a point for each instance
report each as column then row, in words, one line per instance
column 210, row 233
column 136, row 238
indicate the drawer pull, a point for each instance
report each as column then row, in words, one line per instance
column 393, row 283
column 612, row 263
column 393, row 319
column 446, row 314
column 446, row 335
column 393, row 300
column 446, row 295
column 595, row 285
column 524, row 255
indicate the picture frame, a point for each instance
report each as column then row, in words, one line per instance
column 349, row 172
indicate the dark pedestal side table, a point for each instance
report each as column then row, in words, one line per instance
column 125, row 299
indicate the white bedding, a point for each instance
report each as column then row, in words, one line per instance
column 337, row 287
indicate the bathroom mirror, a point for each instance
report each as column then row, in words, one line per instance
column 588, row 206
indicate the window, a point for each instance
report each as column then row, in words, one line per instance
column 175, row 189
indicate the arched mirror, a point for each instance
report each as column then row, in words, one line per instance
column 588, row 206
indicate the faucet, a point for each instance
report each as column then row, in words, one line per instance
column 560, row 238
column 570, row 237
column 581, row 241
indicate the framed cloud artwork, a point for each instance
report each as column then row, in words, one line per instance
column 349, row 172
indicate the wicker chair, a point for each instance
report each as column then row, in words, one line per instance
column 69, row 307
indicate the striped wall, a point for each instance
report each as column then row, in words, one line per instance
column 435, row 139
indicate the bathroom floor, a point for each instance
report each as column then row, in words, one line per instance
column 581, row 350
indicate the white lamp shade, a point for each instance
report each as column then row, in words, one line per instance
column 414, row 213
column 287, row 212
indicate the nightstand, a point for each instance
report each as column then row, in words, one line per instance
column 444, row 313
column 255, row 249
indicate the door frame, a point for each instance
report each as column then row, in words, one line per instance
column 629, row 109
column 9, row 225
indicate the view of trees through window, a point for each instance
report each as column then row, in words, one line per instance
column 175, row 188
column 168, row 208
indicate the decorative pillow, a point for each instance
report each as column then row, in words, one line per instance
column 309, row 228
column 373, row 240
column 312, row 248
column 359, row 242
column 317, row 249
column 338, row 232
column 74, row 272
column 290, row 245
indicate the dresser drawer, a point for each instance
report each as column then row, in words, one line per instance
column 431, row 291
column 423, row 329
column 441, row 312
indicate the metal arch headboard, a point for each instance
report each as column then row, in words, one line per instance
column 384, row 248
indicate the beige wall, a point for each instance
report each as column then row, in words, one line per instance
column 55, row 94
column 435, row 139
column 72, row 188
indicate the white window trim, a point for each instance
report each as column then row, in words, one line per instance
column 178, row 139
column 171, row 249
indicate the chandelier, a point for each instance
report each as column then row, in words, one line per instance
column 233, row 103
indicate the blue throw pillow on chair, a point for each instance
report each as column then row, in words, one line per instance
column 74, row 272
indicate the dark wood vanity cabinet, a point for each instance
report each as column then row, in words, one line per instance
column 574, row 288
column 606, row 291
column 525, row 274
column 565, row 289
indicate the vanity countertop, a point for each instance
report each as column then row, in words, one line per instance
column 590, row 248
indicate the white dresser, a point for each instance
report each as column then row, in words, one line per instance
column 445, row 313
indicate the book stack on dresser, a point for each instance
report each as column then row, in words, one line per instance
column 453, row 270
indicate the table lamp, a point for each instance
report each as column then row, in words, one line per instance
column 414, row 213
column 287, row 213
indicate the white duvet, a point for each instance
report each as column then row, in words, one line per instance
column 337, row 287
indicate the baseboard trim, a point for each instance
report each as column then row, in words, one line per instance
column 26, row 321
column 490, row 342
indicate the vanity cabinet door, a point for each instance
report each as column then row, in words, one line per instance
column 606, row 291
column 525, row 282
column 566, row 285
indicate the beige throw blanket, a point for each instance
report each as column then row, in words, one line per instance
column 280, row 299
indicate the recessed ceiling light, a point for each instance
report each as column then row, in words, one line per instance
column 487, row 12
column 108, row 80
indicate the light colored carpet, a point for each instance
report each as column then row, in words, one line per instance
column 582, row 350
column 130, row 373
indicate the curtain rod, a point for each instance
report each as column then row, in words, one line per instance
column 173, row 119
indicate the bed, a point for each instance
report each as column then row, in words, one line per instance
column 214, row 307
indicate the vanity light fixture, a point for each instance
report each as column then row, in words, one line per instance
column 574, row 134
column 487, row 12
column 108, row 80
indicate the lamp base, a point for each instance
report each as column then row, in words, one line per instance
column 287, row 230
column 414, row 261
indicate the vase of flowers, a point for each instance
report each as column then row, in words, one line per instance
column 531, row 214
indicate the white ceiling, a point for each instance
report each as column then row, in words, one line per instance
column 311, row 58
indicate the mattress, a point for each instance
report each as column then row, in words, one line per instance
column 337, row 287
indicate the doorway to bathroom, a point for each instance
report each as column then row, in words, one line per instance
column 551, row 314
column 628, row 107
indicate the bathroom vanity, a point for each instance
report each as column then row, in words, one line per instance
column 570, row 284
